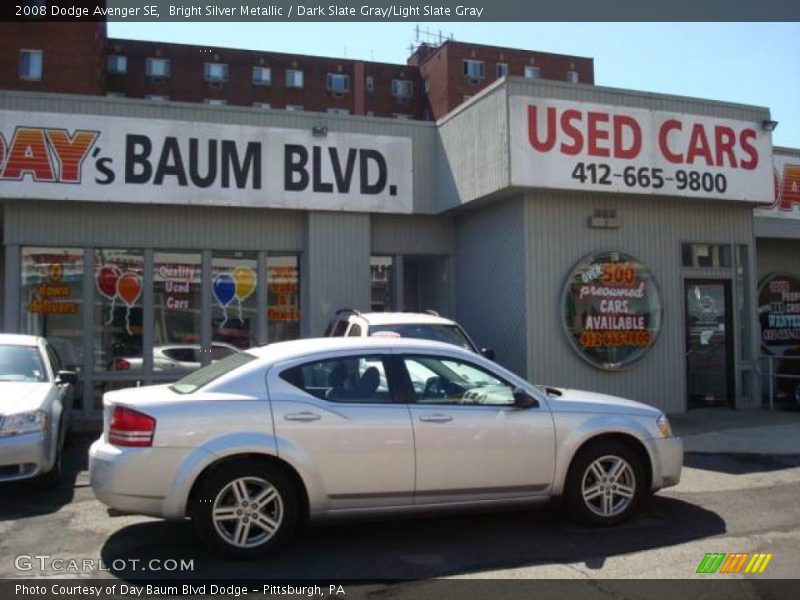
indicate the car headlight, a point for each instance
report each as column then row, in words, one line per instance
column 663, row 426
column 27, row 422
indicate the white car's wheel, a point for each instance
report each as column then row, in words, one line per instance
column 247, row 509
column 605, row 483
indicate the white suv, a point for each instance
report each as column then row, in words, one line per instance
column 349, row 322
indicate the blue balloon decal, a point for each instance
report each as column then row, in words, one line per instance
column 224, row 289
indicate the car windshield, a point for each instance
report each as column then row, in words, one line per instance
column 21, row 363
column 449, row 334
column 202, row 377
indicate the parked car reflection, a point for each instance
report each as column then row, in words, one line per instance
column 176, row 357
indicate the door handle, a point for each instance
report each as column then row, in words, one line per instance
column 302, row 416
column 436, row 418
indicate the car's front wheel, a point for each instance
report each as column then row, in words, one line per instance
column 605, row 483
column 247, row 509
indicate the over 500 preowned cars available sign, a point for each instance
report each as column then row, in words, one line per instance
column 83, row 157
column 586, row 146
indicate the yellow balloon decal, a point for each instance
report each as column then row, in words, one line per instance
column 245, row 280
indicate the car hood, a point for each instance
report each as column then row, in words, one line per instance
column 22, row 396
column 591, row 402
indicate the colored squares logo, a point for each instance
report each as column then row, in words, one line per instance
column 737, row 562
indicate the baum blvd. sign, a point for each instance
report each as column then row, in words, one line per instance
column 92, row 158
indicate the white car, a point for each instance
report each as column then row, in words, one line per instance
column 35, row 399
column 349, row 322
column 176, row 357
column 251, row 446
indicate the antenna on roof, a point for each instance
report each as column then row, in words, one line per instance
column 427, row 37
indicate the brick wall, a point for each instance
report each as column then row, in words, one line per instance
column 73, row 56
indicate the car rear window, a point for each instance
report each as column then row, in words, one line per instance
column 202, row 377
column 181, row 354
column 449, row 334
column 339, row 329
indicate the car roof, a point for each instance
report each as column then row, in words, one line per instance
column 298, row 348
column 402, row 318
column 18, row 339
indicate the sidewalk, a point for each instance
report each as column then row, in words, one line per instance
column 724, row 431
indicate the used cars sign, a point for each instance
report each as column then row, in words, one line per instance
column 598, row 147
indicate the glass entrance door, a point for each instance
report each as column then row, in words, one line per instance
column 709, row 343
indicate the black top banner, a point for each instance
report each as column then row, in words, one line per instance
column 400, row 11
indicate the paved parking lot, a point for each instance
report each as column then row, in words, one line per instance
column 725, row 503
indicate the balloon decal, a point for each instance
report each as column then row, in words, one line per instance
column 113, row 284
column 245, row 279
column 224, row 290
column 106, row 278
column 129, row 287
column 238, row 285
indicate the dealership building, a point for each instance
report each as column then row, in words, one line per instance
column 625, row 242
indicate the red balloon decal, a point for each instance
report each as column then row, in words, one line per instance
column 107, row 278
column 129, row 286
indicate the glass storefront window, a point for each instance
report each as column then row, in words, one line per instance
column 381, row 282
column 234, row 302
column 611, row 309
column 283, row 298
column 177, row 302
column 118, row 282
column 52, row 296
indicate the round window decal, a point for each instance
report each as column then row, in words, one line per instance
column 779, row 314
column 611, row 309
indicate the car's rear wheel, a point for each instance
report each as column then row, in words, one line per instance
column 605, row 483
column 247, row 509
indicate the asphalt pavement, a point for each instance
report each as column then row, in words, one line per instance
column 733, row 497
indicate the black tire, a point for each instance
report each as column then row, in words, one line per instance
column 620, row 508
column 217, row 491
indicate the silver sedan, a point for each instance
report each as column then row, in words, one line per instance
column 252, row 446
column 35, row 398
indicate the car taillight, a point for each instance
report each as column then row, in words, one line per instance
column 129, row 427
column 122, row 364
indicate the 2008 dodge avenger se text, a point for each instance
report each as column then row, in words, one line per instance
column 251, row 446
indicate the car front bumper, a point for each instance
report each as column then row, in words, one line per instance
column 24, row 456
column 670, row 462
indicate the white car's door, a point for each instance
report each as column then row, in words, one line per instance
column 341, row 417
column 472, row 443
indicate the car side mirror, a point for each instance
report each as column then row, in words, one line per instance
column 523, row 399
column 67, row 377
column 487, row 353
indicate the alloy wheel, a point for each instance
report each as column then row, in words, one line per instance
column 608, row 486
column 247, row 512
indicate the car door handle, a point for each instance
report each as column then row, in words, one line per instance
column 302, row 416
column 436, row 418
